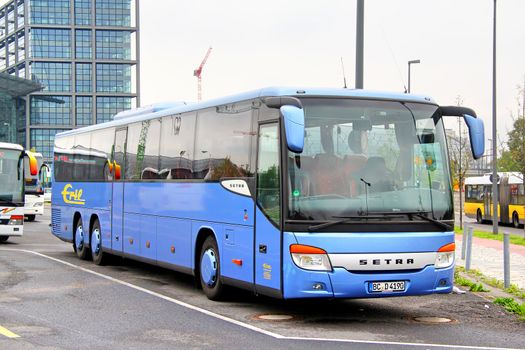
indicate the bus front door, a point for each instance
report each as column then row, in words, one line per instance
column 488, row 202
column 117, row 200
column 268, row 213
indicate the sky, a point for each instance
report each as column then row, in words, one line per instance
column 301, row 43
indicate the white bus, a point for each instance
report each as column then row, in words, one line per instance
column 12, row 189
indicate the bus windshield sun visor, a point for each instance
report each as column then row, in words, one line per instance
column 279, row 101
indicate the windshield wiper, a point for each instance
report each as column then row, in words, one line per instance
column 336, row 222
column 380, row 215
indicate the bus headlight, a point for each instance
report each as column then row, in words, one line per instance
column 310, row 258
column 445, row 256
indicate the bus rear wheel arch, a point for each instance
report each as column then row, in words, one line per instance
column 209, row 269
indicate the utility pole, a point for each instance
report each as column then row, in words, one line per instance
column 506, row 239
column 359, row 44
column 494, row 133
column 460, row 187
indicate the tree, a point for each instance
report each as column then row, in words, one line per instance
column 516, row 144
column 514, row 157
column 506, row 162
column 460, row 157
column 459, row 152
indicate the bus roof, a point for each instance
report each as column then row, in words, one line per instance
column 13, row 146
column 182, row 107
column 514, row 178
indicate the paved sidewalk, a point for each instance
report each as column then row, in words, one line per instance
column 487, row 257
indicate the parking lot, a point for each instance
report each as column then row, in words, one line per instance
column 50, row 299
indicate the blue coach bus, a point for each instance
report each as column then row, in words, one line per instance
column 290, row 193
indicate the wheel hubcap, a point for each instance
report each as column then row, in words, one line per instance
column 79, row 238
column 209, row 267
column 95, row 241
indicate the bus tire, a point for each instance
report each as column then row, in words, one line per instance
column 479, row 217
column 95, row 239
column 515, row 220
column 210, row 269
column 4, row 238
column 30, row 217
column 78, row 241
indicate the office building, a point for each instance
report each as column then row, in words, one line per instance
column 85, row 53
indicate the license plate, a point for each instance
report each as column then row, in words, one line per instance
column 391, row 286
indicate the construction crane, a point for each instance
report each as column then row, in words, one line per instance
column 198, row 73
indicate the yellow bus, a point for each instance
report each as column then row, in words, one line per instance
column 511, row 191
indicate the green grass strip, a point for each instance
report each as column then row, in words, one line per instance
column 517, row 240
column 473, row 286
column 493, row 282
column 512, row 305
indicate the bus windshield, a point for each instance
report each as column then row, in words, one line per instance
column 11, row 181
column 362, row 158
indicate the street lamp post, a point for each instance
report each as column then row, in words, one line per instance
column 8, row 131
column 409, row 63
column 359, row 43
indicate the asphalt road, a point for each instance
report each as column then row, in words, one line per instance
column 52, row 300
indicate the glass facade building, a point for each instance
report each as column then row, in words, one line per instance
column 85, row 54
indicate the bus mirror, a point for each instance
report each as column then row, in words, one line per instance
column 118, row 174
column 475, row 126
column 476, row 132
column 33, row 164
column 293, row 118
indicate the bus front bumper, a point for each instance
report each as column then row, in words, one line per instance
column 340, row 283
column 11, row 230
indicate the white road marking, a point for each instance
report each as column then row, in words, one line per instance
column 246, row 325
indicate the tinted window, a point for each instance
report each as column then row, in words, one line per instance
column 100, row 155
column 224, row 141
column 176, row 149
column 142, row 153
column 81, row 157
column 63, row 160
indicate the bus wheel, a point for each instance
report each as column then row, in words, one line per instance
column 210, row 269
column 515, row 220
column 30, row 217
column 4, row 238
column 80, row 247
column 479, row 218
column 99, row 257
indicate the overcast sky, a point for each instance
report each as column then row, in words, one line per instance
column 299, row 43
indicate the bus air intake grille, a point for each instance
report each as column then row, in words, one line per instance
column 55, row 220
